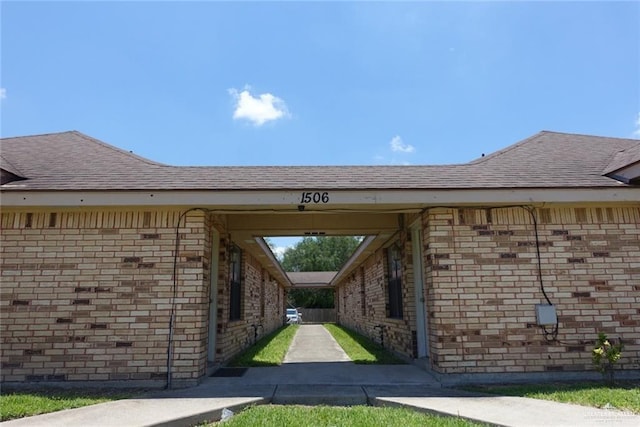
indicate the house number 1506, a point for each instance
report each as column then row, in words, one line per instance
column 314, row 197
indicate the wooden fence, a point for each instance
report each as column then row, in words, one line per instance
column 318, row 315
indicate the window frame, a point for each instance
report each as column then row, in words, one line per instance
column 395, row 309
column 235, row 283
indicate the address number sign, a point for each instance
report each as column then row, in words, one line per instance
column 314, row 197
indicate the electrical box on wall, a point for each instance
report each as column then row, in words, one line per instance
column 546, row 315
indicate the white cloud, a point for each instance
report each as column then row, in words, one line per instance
column 3, row 93
column 279, row 251
column 636, row 132
column 279, row 245
column 258, row 110
column 398, row 145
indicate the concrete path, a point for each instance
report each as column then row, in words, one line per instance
column 158, row 411
column 313, row 343
column 317, row 373
column 501, row 410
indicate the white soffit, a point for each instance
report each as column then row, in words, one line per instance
column 335, row 200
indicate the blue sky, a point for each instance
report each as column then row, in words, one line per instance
column 327, row 83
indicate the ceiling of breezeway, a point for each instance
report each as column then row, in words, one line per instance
column 248, row 230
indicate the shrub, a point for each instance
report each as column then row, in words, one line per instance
column 605, row 355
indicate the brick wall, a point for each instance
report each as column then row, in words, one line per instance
column 262, row 309
column 363, row 297
column 87, row 296
column 482, row 286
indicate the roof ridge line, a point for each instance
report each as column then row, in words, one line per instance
column 589, row 135
column 322, row 166
column 506, row 149
column 118, row 150
column 39, row 134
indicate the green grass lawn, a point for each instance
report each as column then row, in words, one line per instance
column 268, row 351
column 25, row 403
column 361, row 349
column 330, row 416
column 624, row 395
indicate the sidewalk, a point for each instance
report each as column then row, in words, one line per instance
column 314, row 344
column 316, row 371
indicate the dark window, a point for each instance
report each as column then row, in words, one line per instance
column 394, row 260
column 363, row 299
column 235, row 270
column 266, row 278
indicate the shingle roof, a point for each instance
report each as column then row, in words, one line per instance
column 623, row 159
column 74, row 161
column 6, row 165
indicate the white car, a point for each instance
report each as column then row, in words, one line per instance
column 293, row 316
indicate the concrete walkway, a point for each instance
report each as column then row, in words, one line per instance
column 314, row 344
column 318, row 372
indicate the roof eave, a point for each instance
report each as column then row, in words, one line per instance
column 339, row 200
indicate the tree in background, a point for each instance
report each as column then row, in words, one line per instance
column 320, row 253
column 311, row 298
column 328, row 253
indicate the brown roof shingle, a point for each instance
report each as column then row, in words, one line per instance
column 623, row 159
column 74, row 161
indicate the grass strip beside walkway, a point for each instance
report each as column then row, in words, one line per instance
column 269, row 350
column 325, row 416
column 26, row 403
column 361, row 349
column 623, row 396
